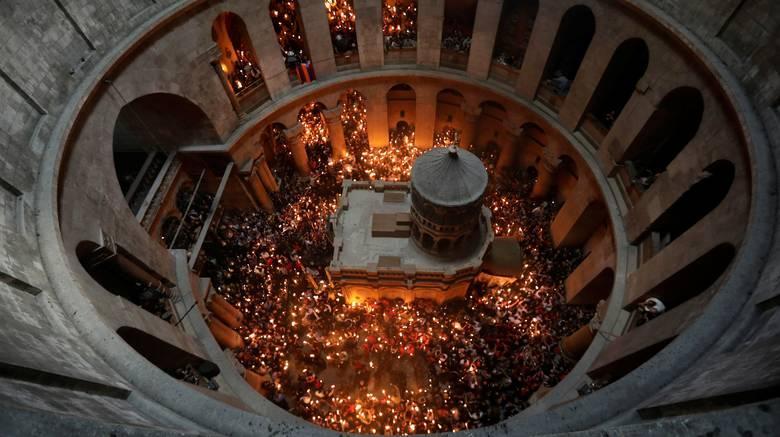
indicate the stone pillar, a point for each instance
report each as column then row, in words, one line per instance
column 545, row 179
column 484, row 38
column 226, row 337
column 578, row 218
column 315, row 23
column 626, row 130
column 298, row 149
column 368, row 27
column 269, row 55
column 430, row 23
column 266, row 176
column 259, row 191
column 507, row 157
column 573, row 346
column 224, row 311
column 539, row 48
column 587, row 80
column 336, row 130
column 591, row 280
column 425, row 118
column 376, row 118
column 468, row 135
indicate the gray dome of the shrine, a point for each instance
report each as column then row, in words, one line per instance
column 449, row 176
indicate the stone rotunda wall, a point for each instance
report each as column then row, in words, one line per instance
column 69, row 67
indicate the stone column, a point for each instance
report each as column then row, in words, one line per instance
column 591, row 280
column 578, row 218
column 368, row 27
column 336, row 130
column 425, row 118
column 298, row 149
column 540, row 44
column 266, row 176
column 376, row 118
column 315, row 23
column 269, row 55
column 587, row 80
column 259, row 191
column 507, row 157
column 545, row 175
column 573, row 347
column 226, row 337
column 468, row 135
column 484, row 38
column 626, row 130
column 226, row 312
column 430, row 23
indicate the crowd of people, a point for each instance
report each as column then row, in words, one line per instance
column 244, row 73
column 455, row 38
column 399, row 24
column 385, row 366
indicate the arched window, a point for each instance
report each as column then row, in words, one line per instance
column 456, row 32
column 449, row 118
column 698, row 201
column 237, row 60
column 514, row 33
column 401, row 106
column 491, row 123
column 122, row 275
column 575, row 33
column 668, row 130
column 174, row 361
column 627, row 65
column 286, row 18
column 343, row 34
column 147, row 133
column 692, row 279
column 399, row 27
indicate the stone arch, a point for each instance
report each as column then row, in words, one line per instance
column 399, row 27
column 164, row 355
column 401, row 105
column 673, row 124
column 696, row 203
column 694, row 278
column 626, row 67
column 449, row 116
column 343, row 32
column 457, row 30
column 574, row 35
column 490, row 123
column 514, row 32
column 147, row 131
column 291, row 37
column 238, row 59
column 122, row 275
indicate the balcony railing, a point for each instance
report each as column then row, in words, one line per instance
column 401, row 56
column 504, row 73
column 549, row 97
column 454, row 59
column 594, row 130
column 347, row 61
